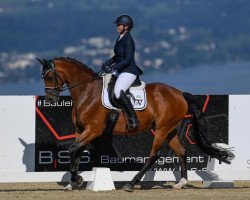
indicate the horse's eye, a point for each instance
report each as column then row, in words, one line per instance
column 49, row 78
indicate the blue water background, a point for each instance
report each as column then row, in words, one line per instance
column 231, row 78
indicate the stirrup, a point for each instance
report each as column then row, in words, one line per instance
column 133, row 123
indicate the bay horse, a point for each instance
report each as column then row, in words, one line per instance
column 166, row 108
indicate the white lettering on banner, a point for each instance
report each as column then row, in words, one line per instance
column 63, row 103
column 105, row 159
column 47, row 157
column 63, row 157
column 175, row 169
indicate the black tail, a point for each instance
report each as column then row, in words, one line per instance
column 215, row 150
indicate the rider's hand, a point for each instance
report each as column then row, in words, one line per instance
column 104, row 65
column 108, row 69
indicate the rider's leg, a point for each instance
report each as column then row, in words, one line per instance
column 123, row 82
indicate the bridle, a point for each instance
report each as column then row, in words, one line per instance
column 56, row 90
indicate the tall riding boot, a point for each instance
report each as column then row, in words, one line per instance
column 126, row 105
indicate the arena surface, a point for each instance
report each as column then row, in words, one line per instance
column 144, row 191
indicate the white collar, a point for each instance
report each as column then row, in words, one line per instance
column 120, row 37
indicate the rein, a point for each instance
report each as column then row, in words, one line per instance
column 76, row 85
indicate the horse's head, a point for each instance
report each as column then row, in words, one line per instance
column 52, row 79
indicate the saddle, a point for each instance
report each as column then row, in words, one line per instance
column 136, row 93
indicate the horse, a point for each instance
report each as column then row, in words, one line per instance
column 165, row 110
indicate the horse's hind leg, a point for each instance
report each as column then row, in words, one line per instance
column 175, row 144
column 153, row 157
column 151, row 160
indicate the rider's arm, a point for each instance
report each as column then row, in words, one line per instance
column 129, row 54
column 111, row 61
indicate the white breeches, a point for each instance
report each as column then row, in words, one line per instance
column 123, row 82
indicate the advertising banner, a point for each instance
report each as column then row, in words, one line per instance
column 55, row 133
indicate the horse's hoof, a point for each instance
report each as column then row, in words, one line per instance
column 74, row 185
column 128, row 188
column 183, row 182
column 79, row 182
column 177, row 186
column 69, row 187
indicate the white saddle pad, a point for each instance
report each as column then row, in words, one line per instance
column 139, row 100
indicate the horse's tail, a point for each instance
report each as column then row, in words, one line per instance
column 216, row 150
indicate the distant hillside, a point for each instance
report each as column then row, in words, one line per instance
column 169, row 34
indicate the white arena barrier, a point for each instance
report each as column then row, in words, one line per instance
column 17, row 131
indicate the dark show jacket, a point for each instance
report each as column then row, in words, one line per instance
column 124, row 59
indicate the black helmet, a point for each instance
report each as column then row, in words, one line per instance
column 125, row 20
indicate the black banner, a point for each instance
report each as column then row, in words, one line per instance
column 55, row 133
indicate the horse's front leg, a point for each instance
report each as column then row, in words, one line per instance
column 75, row 152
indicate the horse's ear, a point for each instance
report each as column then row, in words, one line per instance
column 47, row 63
column 40, row 61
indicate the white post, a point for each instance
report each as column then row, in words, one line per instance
column 102, row 180
column 213, row 164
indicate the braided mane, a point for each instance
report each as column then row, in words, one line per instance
column 77, row 62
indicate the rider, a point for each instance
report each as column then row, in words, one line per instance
column 123, row 62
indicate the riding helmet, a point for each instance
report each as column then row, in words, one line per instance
column 125, row 20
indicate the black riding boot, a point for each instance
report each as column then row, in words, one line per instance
column 126, row 105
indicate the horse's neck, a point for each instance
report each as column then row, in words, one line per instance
column 85, row 94
column 78, row 75
column 82, row 80
column 86, row 91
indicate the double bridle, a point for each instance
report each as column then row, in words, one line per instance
column 56, row 90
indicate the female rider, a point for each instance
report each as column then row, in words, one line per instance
column 124, row 63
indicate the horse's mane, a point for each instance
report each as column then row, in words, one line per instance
column 77, row 62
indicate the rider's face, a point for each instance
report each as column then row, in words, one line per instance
column 119, row 28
